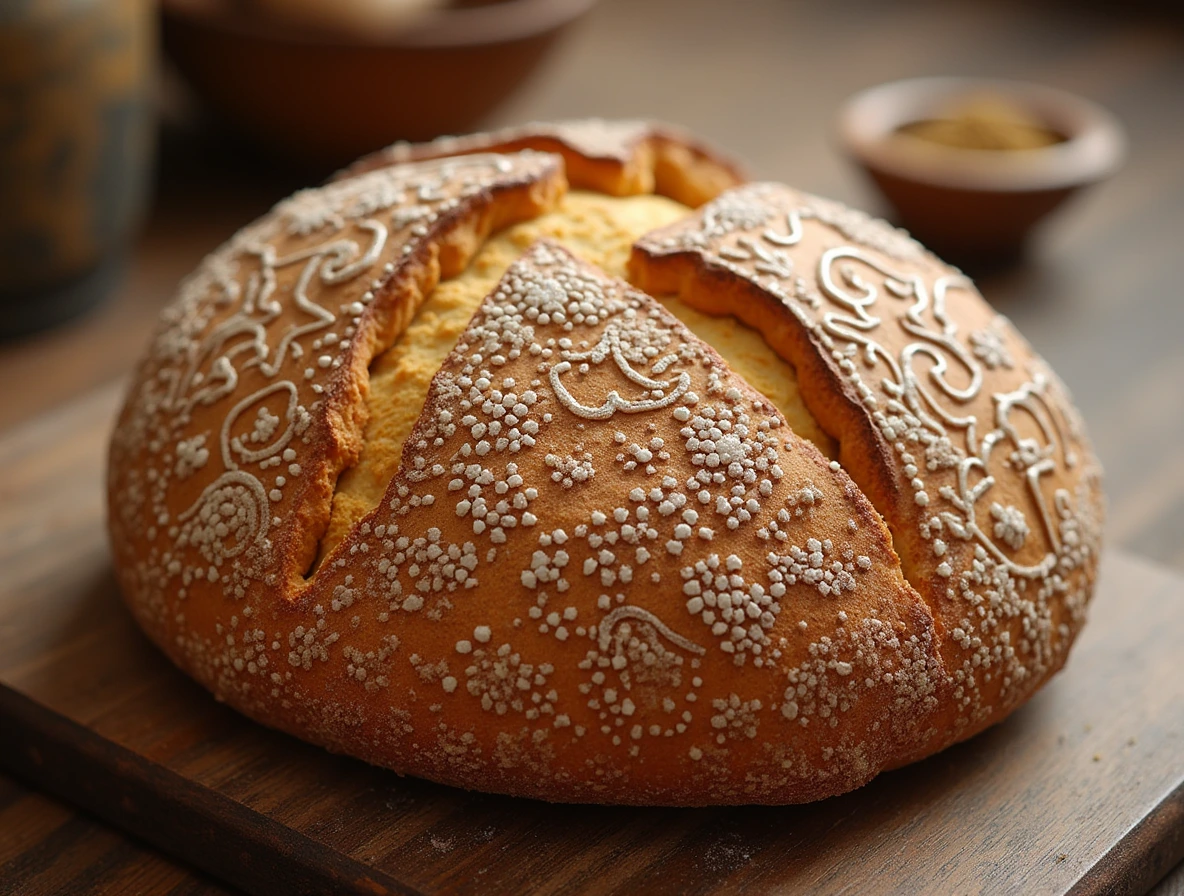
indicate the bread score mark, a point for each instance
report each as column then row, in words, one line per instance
column 963, row 439
column 653, row 588
column 617, row 158
column 249, row 401
column 596, row 228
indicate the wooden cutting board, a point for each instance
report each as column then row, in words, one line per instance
column 1081, row 791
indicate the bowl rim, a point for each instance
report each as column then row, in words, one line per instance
column 485, row 25
column 1094, row 147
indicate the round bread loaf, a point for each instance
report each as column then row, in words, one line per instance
column 576, row 492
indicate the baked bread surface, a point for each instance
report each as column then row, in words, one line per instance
column 619, row 158
column 535, row 531
column 601, row 230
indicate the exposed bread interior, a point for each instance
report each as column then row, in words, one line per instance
column 617, row 158
column 597, row 228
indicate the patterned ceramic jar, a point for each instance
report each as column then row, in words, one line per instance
column 75, row 151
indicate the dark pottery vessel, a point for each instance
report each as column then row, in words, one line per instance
column 75, row 151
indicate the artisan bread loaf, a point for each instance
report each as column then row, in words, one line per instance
column 501, row 470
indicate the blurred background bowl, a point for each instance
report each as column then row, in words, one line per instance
column 323, row 99
column 977, row 205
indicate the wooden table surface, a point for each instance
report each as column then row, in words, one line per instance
column 1100, row 296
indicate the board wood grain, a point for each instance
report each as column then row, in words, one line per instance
column 48, row 848
column 1080, row 791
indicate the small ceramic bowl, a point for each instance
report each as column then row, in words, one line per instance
column 977, row 204
column 324, row 99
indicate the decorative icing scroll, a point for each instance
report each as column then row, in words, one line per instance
column 663, row 392
column 261, row 332
column 610, row 621
column 992, row 471
column 885, row 302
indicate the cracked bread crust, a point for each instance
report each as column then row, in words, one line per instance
column 619, row 158
column 606, row 570
column 655, row 620
column 600, row 230
column 965, row 441
column 250, row 394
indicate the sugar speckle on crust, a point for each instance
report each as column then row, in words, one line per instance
column 992, row 461
column 604, row 564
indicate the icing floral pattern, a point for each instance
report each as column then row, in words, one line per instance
column 262, row 330
column 976, row 436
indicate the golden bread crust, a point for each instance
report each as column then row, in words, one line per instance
column 619, row 158
column 575, row 506
column 955, row 430
column 265, row 328
column 606, row 569
column 598, row 229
